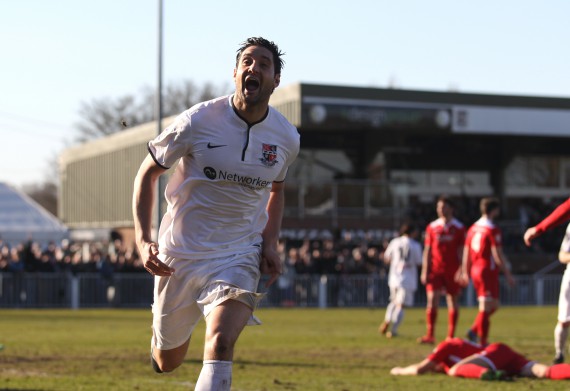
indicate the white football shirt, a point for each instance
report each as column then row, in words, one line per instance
column 405, row 256
column 218, row 193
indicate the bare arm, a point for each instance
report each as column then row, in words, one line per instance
column 502, row 262
column 415, row 369
column 463, row 276
column 558, row 216
column 143, row 202
column 426, row 256
column 270, row 261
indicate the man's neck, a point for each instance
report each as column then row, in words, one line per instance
column 250, row 113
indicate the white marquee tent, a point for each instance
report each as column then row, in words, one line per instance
column 22, row 219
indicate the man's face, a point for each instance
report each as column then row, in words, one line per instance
column 255, row 77
column 443, row 210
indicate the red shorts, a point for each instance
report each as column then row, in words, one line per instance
column 486, row 282
column 504, row 358
column 439, row 281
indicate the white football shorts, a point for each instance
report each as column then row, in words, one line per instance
column 564, row 298
column 401, row 296
column 195, row 288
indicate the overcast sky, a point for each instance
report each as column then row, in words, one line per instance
column 58, row 53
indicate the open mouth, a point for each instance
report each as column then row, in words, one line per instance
column 251, row 84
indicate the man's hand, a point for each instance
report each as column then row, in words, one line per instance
column 270, row 264
column 149, row 255
column 423, row 277
column 462, row 277
column 529, row 235
column 396, row 371
column 511, row 280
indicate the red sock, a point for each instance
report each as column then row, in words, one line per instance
column 476, row 326
column 485, row 324
column 559, row 372
column 431, row 317
column 472, row 371
column 452, row 316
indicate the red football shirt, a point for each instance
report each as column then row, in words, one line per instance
column 445, row 240
column 450, row 352
column 480, row 238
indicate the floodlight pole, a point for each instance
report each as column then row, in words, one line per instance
column 158, row 114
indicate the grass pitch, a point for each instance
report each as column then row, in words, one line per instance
column 294, row 349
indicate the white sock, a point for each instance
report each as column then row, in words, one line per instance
column 560, row 336
column 397, row 317
column 389, row 311
column 215, row 376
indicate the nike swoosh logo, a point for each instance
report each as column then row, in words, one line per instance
column 210, row 146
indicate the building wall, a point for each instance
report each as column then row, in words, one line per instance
column 97, row 178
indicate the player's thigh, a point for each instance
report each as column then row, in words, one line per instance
column 172, row 329
column 402, row 297
column 175, row 311
column 486, row 285
column 434, row 285
column 225, row 323
column 564, row 299
column 452, row 287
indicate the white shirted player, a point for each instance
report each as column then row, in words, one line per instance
column 561, row 329
column 225, row 205
column 225, row 173
column 404, row 254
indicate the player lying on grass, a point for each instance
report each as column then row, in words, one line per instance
column 444, row 356
column 497, row 361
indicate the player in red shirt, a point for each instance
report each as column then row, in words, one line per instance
column 557, row 217
column 483, row 258
column 443, row 246
column 498, row 361
column 442, row 358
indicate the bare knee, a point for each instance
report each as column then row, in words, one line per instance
column 219, row 346
column 169, row 360
column 166, row 362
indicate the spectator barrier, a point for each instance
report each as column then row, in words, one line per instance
column 134, row 290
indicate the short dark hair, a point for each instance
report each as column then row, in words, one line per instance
column 446, row 200
column 408, row 228
column 489, row 204
column 278, row 62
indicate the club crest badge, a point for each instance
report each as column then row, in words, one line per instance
column 269, row 155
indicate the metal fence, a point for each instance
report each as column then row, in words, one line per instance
column 54, row 290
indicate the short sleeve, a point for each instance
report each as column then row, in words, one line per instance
column 173, row 143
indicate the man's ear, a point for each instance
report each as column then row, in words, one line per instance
column 276, row 80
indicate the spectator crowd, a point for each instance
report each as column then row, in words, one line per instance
column 69, row 257
column 303, row 251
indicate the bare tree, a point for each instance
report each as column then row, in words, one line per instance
column 44, row 194
column 104, row 116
